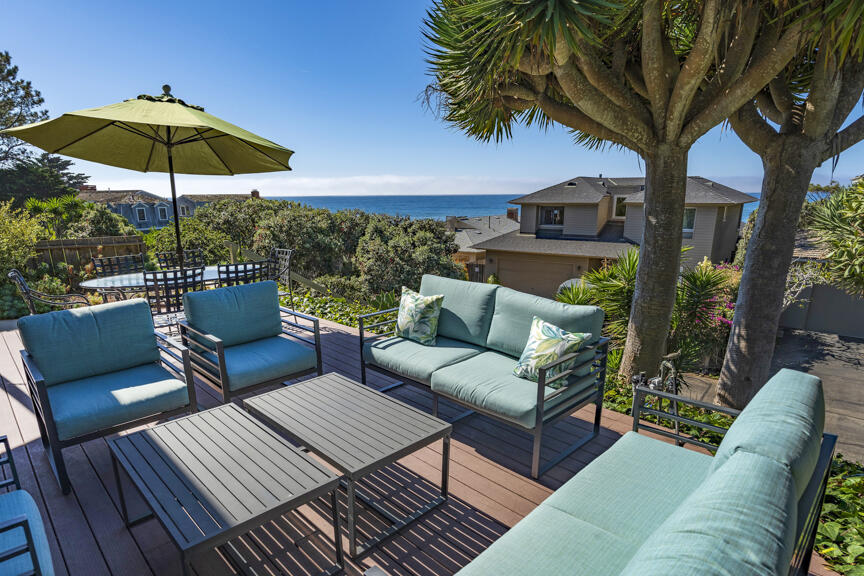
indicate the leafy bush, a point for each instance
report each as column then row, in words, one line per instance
column 98, row 220
column 396, row 252
column 56, row 213
column 194, row 235
column 839, row 222
column 239, row 220
column 311, row 232
column 19, row 233
column 840, row 539
column 12, row 305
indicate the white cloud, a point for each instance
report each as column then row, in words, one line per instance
column 361, row 185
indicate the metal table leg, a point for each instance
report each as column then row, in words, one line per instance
column 124, row 513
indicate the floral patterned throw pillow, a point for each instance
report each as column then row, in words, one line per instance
column 548, row 343
column 418, row 316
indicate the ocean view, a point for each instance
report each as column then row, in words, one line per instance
column 428, row 206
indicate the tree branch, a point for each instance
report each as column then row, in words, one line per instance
column 768, row 108
column 845, row 139
column 574, row 118
column 759, row 74
column 852, row 85
column 634, row 77
column 781, row 97
column 822, row 96
column 753, row 130
column 653, row 68
column 696, row 66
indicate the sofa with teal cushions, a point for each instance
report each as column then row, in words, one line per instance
column 23, row 543
column 238, row 339
column 482, row 330
column 645, row 507
column 97, row 370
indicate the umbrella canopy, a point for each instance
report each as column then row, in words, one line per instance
column 157, row 134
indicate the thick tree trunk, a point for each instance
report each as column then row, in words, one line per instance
column 659, row 261
column 788, row 167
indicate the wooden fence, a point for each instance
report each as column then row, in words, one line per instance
column 79, row 250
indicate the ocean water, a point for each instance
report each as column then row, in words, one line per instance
column 432, row 206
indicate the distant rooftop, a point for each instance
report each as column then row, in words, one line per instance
column 470, row 231
column 120, row 196
column 517, row 242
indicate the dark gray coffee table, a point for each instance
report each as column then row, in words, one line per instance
column 215, row 475
column 357, row 430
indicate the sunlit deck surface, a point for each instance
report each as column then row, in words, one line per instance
column 489, row 487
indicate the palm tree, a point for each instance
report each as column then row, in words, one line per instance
column 57, row 212
column 795, row 124
column 637, row 74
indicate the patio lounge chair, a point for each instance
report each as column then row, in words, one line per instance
column 238, row 339
column 98, row 370
column 482, row 330
column 23, row 544
column 33, row 297
column 192, row 258
column 648, row 508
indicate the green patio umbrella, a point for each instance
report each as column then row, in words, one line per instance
column 157, row 134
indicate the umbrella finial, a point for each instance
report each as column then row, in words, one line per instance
column 166, row 89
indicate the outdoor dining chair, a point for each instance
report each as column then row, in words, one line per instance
column 192, row 258
column 164, row 290
column 32, row 297
column 280, row 271
column 95, row 371
column 239, row 341
column 105, row 266
column 243, row 273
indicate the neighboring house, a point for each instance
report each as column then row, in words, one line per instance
column 470, row 231
column 577, row 225
column 146, row 210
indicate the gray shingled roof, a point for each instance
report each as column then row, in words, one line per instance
column 470, row 231
column 516, row 242
column 120, row 196
column 588, row 190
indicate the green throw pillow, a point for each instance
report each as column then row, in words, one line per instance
column 548, row 343
column 418, row 316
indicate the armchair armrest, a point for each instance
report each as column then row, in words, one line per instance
column 7, row 459
column 640, row 393
column 209, row 341
column 315, row 329
column 363, row 327
column 29, row 547
column 37, row 387
column 600, row 347
column 165, row 345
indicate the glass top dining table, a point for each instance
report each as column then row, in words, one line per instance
column 134, row 281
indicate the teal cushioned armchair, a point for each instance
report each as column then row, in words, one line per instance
column 239, row 342
column 98, row 370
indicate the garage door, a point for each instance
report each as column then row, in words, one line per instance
column 538, row 276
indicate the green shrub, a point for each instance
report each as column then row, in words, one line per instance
column 194, row 235
column 97, row 220
column 840, row 539
column 839, row 222
column 311, row 232
column 239, row 220
column 19, row 233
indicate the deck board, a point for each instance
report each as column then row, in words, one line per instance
column 489, row 487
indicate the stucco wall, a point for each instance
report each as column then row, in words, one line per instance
column 580, row 220
column 528, row 219
column 538, row 274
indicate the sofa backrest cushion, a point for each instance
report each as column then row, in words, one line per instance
column 83, row 342
column 741, row 520
column 466, row 310
column 514, row 311
column 784, row 421
column 236, row 314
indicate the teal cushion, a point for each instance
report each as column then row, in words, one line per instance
column 549, row 542
column 467, row 308
column 416, row 361
column 486, row 381
column 99, row 402
column 514, row 311
column 739, row 522
column 264, row 360
column 20, row 503
column 82, row 342
column 237, row 314
column 633, row 486
column 784, row 421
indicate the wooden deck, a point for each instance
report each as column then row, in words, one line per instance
column 489, row 487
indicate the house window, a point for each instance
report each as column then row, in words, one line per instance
column 552, row 216
column 689, row 221
column 619, row 209
column 184, row 211
column 141, row 213
column 163, row 212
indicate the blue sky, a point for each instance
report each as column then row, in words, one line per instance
column 338, row 82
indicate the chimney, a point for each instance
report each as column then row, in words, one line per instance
column 87, row 188
column 513, row 213
column 256, row 194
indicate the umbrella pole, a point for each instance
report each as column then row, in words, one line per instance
column 174, row 201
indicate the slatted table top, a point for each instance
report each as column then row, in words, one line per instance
column 353, row 427
column 216, row 474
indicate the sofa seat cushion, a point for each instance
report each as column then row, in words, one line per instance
column 99, row 402
column 264, row 360
column 486, row 381
column 414, row 360
column 82, row 342
column 20, row 503
column 739, row 522
column 236, row 314
column 549, row 542
column 633, row 486
column 514, row 312
column 466, row 310
column 784, row 421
